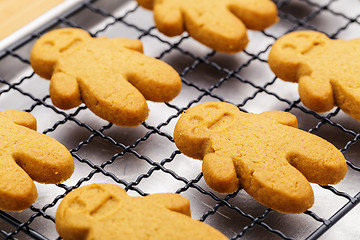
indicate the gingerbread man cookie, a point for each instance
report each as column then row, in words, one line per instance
column 111, row 76
column 220, row 25
column 27, row 155
column 265, row 154
column 105, row 211
column 326, row 70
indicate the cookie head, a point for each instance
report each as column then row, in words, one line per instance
column 105, row 211
column 195, row 127
column 292, row 48
column 82, row 207
column 49, row 48
column 265, row 154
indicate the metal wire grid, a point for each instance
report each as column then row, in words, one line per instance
column 94, row 133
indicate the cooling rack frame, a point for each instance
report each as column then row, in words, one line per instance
column 220, row 73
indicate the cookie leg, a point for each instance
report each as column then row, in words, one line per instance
column 275, row 183
column 316, row 92
column 219, row 173
column 156, row 80
column 319, row 161
column 114, row 99
column 168, row 17
column 347, row 97
column 212, row 28
column 64, row 91
column 17, row 190
column 43, row 158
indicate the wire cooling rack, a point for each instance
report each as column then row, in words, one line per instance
column 145, row 160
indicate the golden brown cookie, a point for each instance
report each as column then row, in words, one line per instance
column 111, row 76
column 220, row 25
column 105, row 211
column 27, row 155
column 326, row 70
column 266, row 154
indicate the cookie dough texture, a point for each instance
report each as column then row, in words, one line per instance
column 327, row 71
column 105, row 211
column 27, row 155
column 265, row 154
column 111, row 76
column 220, row 25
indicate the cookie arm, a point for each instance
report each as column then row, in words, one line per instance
column 281, row 117
column 219, row 173
column 21, row 118
column 64, row 91
column 172, row 201
column 256, row 15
